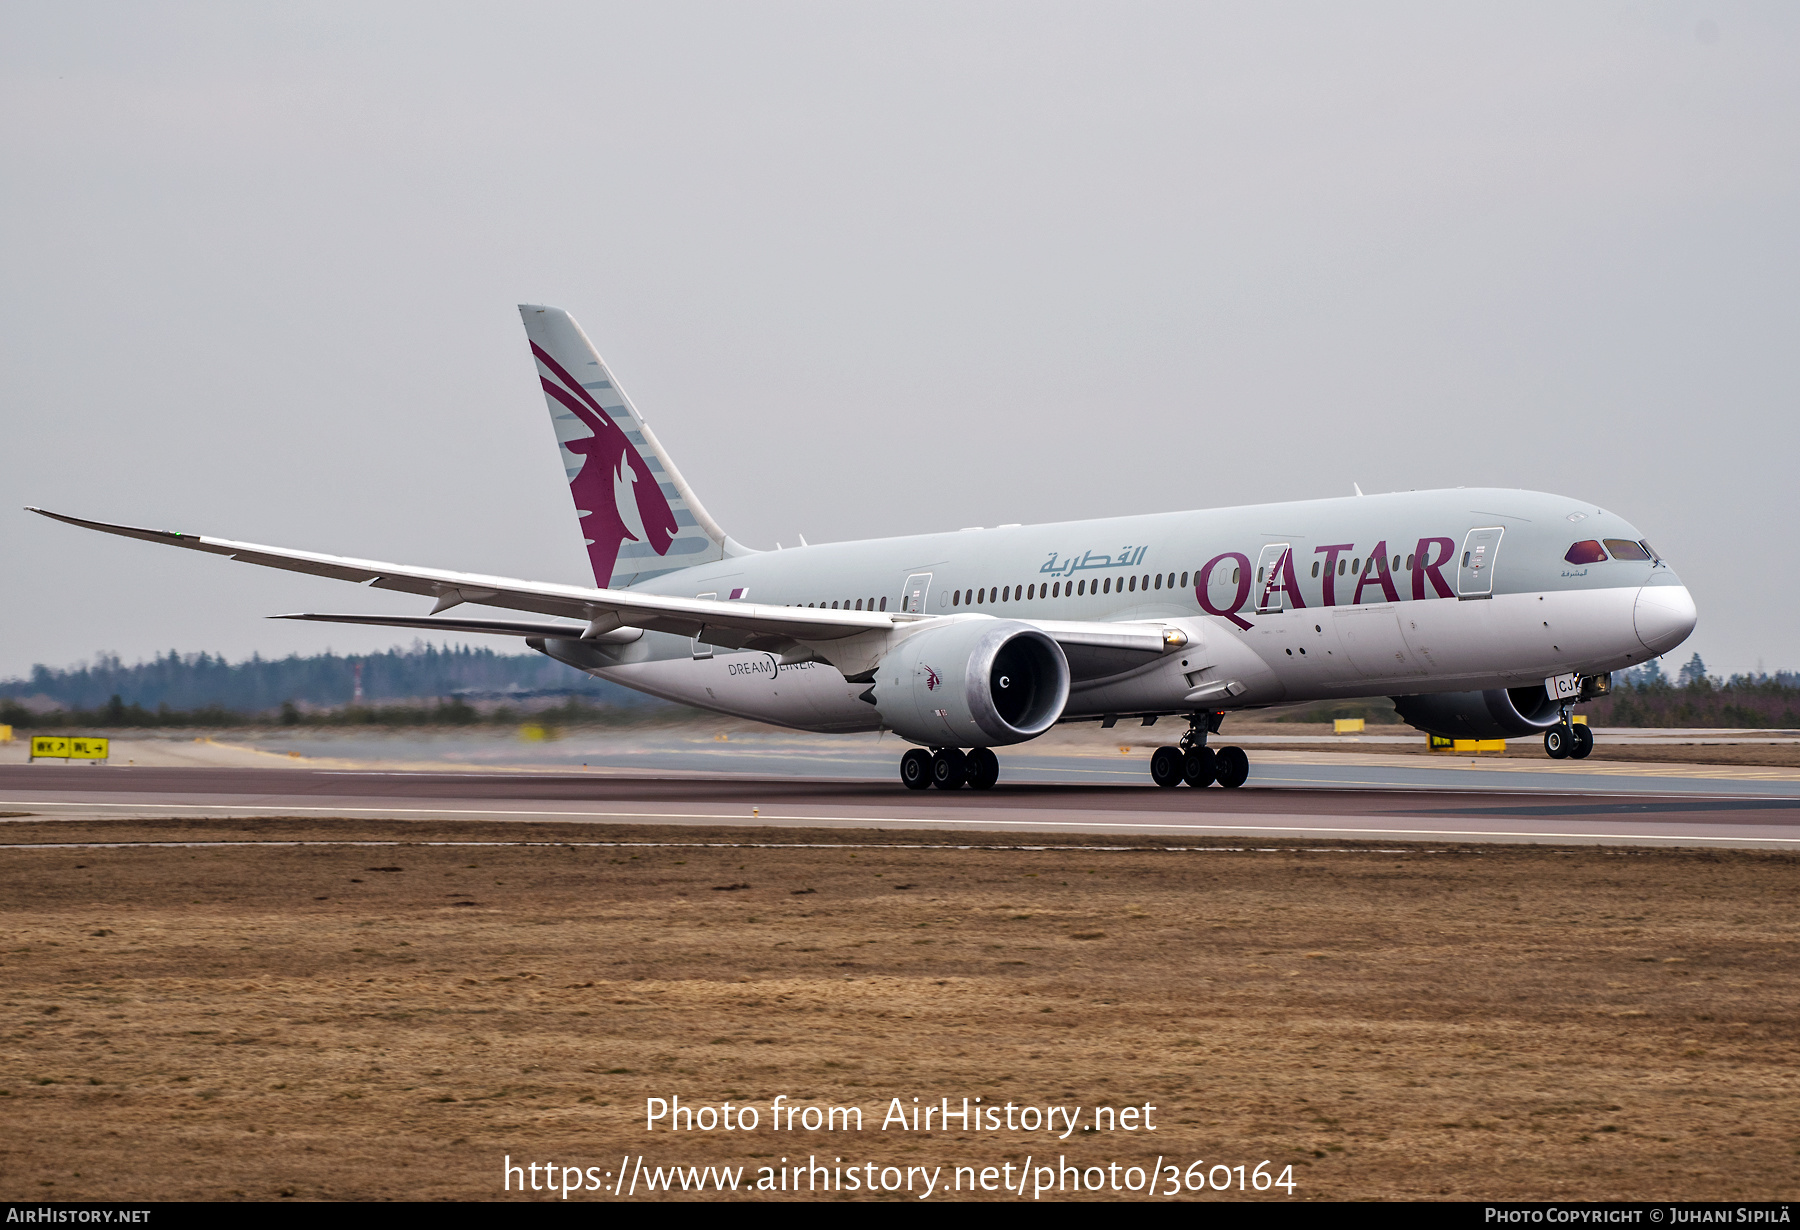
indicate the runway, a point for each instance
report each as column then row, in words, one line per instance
column 1344, row 799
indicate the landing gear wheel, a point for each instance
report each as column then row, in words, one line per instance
column 1233, row 767
column 915, row 769
column 982, row 768
column 949, row 768
column 1556, row 742
column 1581, row 741
column 1165, row 766
column 1200, row 766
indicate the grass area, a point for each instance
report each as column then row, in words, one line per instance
column 350, row 1022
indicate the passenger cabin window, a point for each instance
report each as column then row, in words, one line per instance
column 1586, row 552
column 1184, row 580
column 1315, row 568
column 1624, row 548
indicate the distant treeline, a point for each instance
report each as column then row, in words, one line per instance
column 1741, row 701
column 116, row 714
column 205, row 686
column 1644, row 696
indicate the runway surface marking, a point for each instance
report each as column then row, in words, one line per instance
column 979, row 822
column 723, row 845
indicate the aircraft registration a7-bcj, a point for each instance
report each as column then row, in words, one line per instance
column 1484, row 613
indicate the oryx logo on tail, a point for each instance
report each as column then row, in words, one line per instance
column 617, row 497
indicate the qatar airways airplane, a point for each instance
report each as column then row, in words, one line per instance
column 1484, row 613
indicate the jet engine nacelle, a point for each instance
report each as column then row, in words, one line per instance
column 972, row 683
column 1497, row 713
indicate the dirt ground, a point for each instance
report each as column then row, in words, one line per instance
column 341, row 1021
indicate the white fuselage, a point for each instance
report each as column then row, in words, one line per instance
column 1422, row 620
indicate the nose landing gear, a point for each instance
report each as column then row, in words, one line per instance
column 1567, row 739
column 1197, row 764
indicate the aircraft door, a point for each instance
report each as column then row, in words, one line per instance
column 1475, row 571
column 1271, row 585
column 701, row 648
column 918, row 589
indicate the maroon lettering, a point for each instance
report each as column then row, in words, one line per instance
column 1204, row 576
column 1331, row 559
column 1425, row 565
column 1375, row 572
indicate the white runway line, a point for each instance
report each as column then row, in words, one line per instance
column 973, row 822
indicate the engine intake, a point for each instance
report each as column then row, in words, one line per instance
column 974, row 682
column 1497, row 713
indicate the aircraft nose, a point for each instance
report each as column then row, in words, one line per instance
column 1664, row 616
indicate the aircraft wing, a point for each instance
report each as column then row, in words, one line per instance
column 746, row 624
column 1094, row 649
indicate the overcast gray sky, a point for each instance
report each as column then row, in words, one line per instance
column 876, row 269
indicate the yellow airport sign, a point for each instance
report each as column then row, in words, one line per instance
column 1439, row 744
column 57, row 747
column 1347, row 726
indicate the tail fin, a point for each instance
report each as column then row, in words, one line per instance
column 638, row 515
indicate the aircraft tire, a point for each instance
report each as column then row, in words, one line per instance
column 915, row 769
column 981, row 768
column 1165, row 766
column 1581, row 742
column 1200, row 767
column 1233, row 767
column 1556, row 742
column 949, row 769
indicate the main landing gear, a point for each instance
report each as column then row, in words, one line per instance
column 1197, row 764
column 949, row 768
column 1568, row 739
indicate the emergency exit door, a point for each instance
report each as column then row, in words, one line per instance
column 1475, row 571
column 918, row 589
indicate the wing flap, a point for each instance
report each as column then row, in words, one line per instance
column 451, row 623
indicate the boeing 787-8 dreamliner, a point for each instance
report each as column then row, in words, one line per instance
column 1484, row 613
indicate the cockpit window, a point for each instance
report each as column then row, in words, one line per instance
column 1586, row 552
column 1651, row 549
column 1624, row 548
